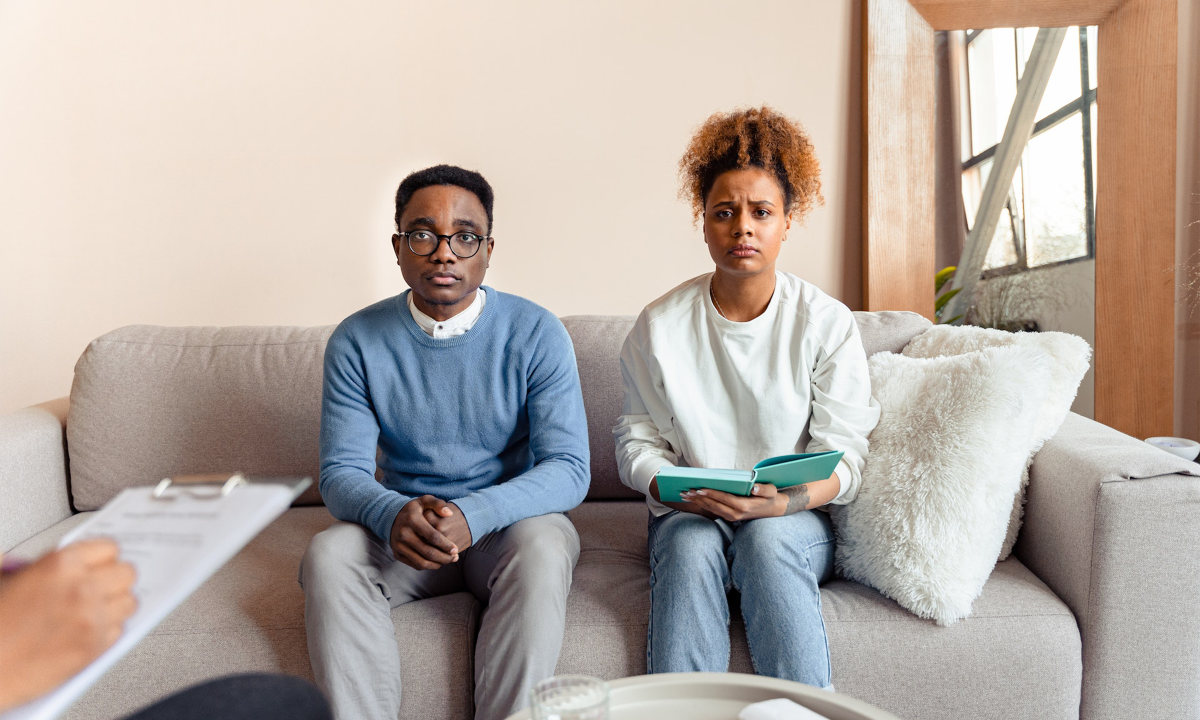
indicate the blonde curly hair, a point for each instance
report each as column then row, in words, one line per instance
column 755, row 137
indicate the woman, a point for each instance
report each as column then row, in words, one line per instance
column 732, row 367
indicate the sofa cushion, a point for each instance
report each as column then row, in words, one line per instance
column 889, row 330
column 598, row 340
column 1017, row 656
column 150, row 402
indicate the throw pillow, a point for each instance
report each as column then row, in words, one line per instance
column 1070, row 357
column 945, row 464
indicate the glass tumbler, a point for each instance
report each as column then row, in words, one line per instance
column 569, row 697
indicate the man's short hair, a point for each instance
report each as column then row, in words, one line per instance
column 445, row 175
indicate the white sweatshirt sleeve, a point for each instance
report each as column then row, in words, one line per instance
column 843, row 411
column 641, row 449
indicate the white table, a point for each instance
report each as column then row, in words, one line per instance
column 720, row 696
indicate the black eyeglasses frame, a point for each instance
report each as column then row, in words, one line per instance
column 483, row 240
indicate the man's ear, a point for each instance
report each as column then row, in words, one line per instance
column 491, row 244
column 396, row 247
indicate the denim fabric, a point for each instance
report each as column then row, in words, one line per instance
column 775, row 563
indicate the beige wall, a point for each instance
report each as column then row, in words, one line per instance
column 235, row 164
column 159, row 165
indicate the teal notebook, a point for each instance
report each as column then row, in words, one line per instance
column 782, row 471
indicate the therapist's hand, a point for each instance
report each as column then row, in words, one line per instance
column 59, row 614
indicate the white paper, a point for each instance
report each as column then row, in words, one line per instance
column 175, row 544
column 778, row 709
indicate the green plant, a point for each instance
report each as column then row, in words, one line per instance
column 939, row 304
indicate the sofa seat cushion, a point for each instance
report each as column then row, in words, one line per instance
column 250, row 617
column 1017, row 656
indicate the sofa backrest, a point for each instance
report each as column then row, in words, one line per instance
column 150, row 402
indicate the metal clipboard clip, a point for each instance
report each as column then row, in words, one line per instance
column 201, row 487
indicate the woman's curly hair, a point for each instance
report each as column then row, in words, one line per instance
column 757, row 137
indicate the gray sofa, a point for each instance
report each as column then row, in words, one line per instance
column 1096, row 615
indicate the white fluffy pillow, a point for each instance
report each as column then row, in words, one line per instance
column 1069, row 360
column 945, row 463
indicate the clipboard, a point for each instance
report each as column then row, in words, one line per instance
column 176, row 535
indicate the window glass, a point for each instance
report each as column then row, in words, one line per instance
column 991, row 70
column 1091, row 35
column 1018, row 193
column 1094, row 122
column 1002, row 251
column 1064, row 79
column 1044, row 220
column 973, row 182
column 1055, row 226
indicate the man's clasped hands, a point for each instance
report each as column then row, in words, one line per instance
column 429, row 532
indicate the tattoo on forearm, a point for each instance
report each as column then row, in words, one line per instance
column 797, row 499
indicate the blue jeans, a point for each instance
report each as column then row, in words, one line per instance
column 775, row 563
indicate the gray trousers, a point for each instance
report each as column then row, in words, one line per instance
column 351, row 582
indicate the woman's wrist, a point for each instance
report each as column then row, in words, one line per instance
column 780, row 504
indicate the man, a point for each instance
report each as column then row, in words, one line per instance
column 472, row 398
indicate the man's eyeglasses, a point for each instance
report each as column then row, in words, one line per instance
column 425, row 243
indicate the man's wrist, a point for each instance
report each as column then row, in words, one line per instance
column 467, row 525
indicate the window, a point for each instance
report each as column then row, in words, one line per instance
column 1050, row 214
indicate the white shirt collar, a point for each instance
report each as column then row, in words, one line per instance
column 456, row 325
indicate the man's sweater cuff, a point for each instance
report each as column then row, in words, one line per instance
column 645, row 471
column 383, row 517
column 480, row 514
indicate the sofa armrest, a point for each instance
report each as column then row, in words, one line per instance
column 33, row 471
column 1112, row 526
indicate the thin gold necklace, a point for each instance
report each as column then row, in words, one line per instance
column 713, row 294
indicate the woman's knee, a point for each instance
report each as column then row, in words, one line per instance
column 688, row 543
column 799, row 538
column 803, row 544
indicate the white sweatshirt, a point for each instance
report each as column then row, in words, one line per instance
column 703, row 391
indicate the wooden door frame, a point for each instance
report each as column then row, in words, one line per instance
column 1135, row 187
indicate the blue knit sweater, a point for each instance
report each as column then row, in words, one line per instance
column 491, row 420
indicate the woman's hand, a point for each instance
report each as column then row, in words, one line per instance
column 686, row 507
column 764, row 501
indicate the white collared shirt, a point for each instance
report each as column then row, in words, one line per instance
column 703, row 391
column 455, row 326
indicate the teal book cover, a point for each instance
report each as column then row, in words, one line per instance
column 781, row 471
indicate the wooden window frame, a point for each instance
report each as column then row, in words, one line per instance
column 1135, row 188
